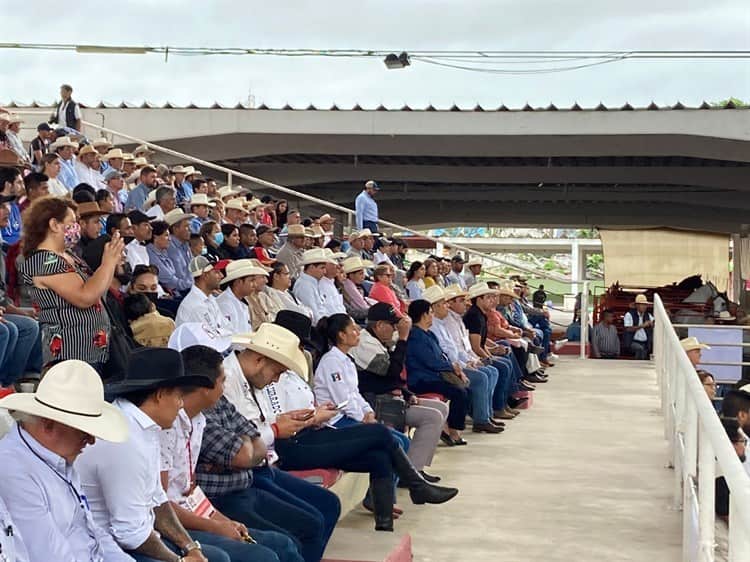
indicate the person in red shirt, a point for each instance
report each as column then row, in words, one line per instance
column 266, row 238
column 382, row 292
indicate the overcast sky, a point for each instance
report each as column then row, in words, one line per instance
column 383, row 24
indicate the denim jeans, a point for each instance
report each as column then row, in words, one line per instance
column 322, row 504
column 20, row 348
column 505, row 382
column 482, row 385
column 372, row 225
column 271, row 547
column 400, row 438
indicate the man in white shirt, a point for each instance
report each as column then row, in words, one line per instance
column 42, row 490
column 474, row 269
column 122, row 480
column 455, row 276
column 199, row 305
column 639, row 329
column 11, row 543
column 166, row 200
column 239, row 283
column 333, row 301
column 180, row 446
column 307, row 289
column 135, row 250
column 87, row 167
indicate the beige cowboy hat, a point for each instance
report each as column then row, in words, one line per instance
column 63, row 142
column 238, row 269
column 179, row 169
column 434, row 294
column 295, row 230
column 254, row 203
column 454, row 291
column 350, row 265
column 508, row 289
column 317, row 255
column 101, row 142
column 143, row 149
column 326, row 218
column 71, row 393
column 88, row 149
column 190, row 171
column 140, row 162
column 474, row 261
column 641, row 299
column 201, row 199
column 481, row 289
column 334, row 255
column 176, row 215
column 276, row 343
column 13, row 118
column 691, row 343
column 114, row 153
column 317, row 231
column 225, row 191
column 236, row 204
column 126, row 156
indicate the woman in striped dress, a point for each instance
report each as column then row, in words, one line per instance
column 72, row 319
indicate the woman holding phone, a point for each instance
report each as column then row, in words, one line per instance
column 65, row 294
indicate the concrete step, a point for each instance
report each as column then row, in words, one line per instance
column 353, row 545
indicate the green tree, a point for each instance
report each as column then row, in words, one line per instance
column 736, row 101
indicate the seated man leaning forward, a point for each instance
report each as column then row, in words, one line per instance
column 43, row 492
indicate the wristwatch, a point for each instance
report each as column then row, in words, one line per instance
column 192, row 545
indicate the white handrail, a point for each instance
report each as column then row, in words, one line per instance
column 697, row 440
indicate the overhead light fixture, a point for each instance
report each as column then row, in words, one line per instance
column 394, row 61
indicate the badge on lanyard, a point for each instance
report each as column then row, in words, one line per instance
column 198, row 503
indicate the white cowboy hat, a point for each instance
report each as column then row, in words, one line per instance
column 508, row 290
column 691, row 343
column 201, row 199
column 326, row 218
column 334, row 255
column 317, row 231
column 254, row 203
column 238, row 269
column 190, row 171
column 179, row 169
column 481, row 289
column 114, row 153
column 454, row 291
column 434, row 294
column 197, row 333
column 474, row 261
column 143, row 149
column 277, row 343
column 236, row 204
column 225, row 191
column 126, row 156
column 140, row 162
column 641, row 299
column 350, row 265
column 295, row 230
column 72, row 394
column 176, row 215
column 88, row 149
column 725, row 316
column 97, row 143
column 316, row 255
column 63, row 142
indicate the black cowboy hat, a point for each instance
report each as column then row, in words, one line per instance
column 150, row 368
column 299, row 324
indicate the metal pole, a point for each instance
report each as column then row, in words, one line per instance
column 318, row 201
column 584, row 318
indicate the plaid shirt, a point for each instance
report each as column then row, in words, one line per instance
column 226, row 431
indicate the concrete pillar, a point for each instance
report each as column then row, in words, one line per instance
column 439, row 249
column 576, row 271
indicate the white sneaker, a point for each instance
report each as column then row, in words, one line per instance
column 560, row 343
column 553, row 356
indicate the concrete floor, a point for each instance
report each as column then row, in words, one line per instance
column 579, row 477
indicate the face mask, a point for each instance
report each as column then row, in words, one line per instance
column 153, row 297
column 204, row 251
column 742, row 458
column 219, row 237
column 124, row 277
column 128, row 239
column 72, row 234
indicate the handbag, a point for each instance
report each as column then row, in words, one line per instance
column 453, row 379
column 120, row 347
column 390, row 410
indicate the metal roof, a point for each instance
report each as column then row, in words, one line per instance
column 477, row 108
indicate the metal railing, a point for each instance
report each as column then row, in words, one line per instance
column 697, row 440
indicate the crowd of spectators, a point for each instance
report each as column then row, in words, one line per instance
column 236, row 340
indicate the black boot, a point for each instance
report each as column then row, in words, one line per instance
column 420, row 490
column 381, row 492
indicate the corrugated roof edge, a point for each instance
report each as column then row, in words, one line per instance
column 381, row 107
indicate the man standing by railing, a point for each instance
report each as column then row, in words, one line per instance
column 367, row 208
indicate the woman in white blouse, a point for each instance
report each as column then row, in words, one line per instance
column 279, row 282
column 51, row 168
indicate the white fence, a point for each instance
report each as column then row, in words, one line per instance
column 697, row 445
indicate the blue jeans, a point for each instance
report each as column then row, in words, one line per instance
column 372, row 225
column 324, row 506
column 271, row 547
column 481, row 387
column 400, row 438
column 20, row 348
column 505, row 382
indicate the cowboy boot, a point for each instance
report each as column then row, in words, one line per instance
column 420, row 490
column 381, row 490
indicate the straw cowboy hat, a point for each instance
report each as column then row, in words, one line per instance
column 641, row 299
column 236, row 204
column 254, row 203
column 295, row 230
column 334, row 255
column 507, row 289
column 201, row 199
column 176, row 215
column 434, row 294
column 238, row 269
column 691, row 343
column 151, row 368
column 179, row 169
column 317, row 231
column 276, row 343
column 126, row 156
column 474, row 261
column 326, row 218
column 101, row 142
column 114, row 153
column 72, row 394
column 143, row 149
column 454, row 291
column 223, row 192
column 63, row 142
column 481, row 289
column 317, row 255
column 88, row 149
column 140, row 162
column 350, row 265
